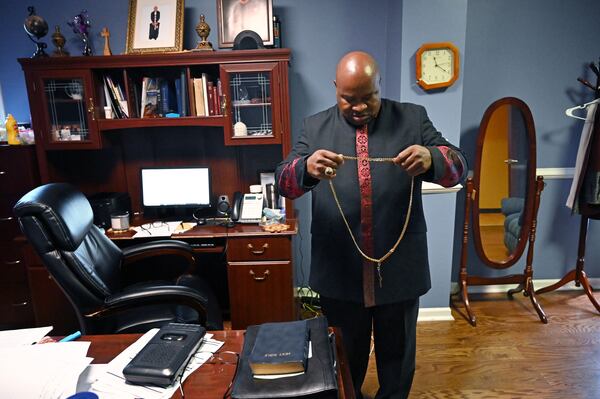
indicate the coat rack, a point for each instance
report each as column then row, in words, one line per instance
column 578, row 274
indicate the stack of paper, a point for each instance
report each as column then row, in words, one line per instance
column 112, row 383
column 39, row 371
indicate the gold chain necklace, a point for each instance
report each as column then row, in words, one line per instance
column 362, row 253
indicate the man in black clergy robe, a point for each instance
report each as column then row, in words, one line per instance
column 154, row 25
column 376, row 152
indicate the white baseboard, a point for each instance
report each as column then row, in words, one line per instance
column 425, row 314
column 541, row 283
column 556, row 173
column 445, row 314
column 435, row 314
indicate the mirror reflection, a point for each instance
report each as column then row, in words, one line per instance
column 503, row 182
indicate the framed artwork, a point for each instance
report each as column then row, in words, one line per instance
column 235, row 16
column 155, row 26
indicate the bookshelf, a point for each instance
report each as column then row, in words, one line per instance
column 76, row 143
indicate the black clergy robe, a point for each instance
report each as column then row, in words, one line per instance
column 337, row 269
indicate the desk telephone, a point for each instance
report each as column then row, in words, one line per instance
column 247, row 208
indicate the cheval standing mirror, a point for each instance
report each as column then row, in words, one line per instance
column 502, row 199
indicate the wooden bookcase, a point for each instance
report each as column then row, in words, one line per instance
column 67, row 95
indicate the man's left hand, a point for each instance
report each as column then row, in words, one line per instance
column 415, row 159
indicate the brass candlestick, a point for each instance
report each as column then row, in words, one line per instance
column 203, row 30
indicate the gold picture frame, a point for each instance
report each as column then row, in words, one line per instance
column 235, row 16
column 155, row 26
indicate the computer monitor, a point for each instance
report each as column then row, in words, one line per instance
column 174, row 191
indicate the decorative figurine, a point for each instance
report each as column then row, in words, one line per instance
column 36, row 27
column 203, row 30
column 59, row 41
column 106, row 35
column 81, row 27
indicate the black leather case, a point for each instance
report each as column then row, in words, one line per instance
column 319, row 380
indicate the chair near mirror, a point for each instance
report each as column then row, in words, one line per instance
column 502, row 197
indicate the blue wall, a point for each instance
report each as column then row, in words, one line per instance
column 421, row 25
column 533, row 50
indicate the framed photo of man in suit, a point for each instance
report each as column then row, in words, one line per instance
column 235, row 16
column 155, row 26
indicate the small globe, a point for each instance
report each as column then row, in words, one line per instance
column 36, row 26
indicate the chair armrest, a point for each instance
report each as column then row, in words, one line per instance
column 150, row 249
column 159, row 294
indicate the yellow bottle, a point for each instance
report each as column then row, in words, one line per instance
column 12, row 130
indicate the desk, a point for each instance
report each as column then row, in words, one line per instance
column 210, row 380
column 259, row 268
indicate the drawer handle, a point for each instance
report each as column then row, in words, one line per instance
column 258, row 251
column 256, row 278
column 6, row 219
column 20, row 304
column 12, row 262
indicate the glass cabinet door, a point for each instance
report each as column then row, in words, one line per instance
column 69, row 111
column 252, row 101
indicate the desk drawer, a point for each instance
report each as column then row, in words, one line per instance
column 50, row 305
column 12, row 265
column 18, row 170
column 259, row 248
column 16, row 315
column 9, row 227
column 260, row 292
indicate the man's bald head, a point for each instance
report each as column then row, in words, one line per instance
column 357, row 83
column 357, row 64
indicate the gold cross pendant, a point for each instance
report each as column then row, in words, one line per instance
column 379, row 274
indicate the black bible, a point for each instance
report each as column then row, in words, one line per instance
column 318, row 381
column 280, row 348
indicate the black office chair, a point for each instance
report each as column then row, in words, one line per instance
column 57, row 220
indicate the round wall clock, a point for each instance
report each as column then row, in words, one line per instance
column 437, row 65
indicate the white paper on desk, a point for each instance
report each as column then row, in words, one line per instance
column 42, row 371
column 91, row 373
column 113, row 385
column 24, row 336
column 162, row 229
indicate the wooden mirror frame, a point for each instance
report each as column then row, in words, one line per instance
column 527, row 234
column 529, row 191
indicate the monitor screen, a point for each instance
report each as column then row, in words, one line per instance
column 183, row 187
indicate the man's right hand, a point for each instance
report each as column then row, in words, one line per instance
column 322, row 164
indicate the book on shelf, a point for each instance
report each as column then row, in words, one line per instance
column 280, row 348
column 167, row 100
column 192, row 97
column 181, row 94
column 111, row 100
column 205, row 93
column 150, row 98
column 216, row 99
column 211, row 105
column 199, row 97
column 117, row 94
column 185, row 111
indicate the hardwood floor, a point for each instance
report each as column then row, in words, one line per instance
column 510, row 354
